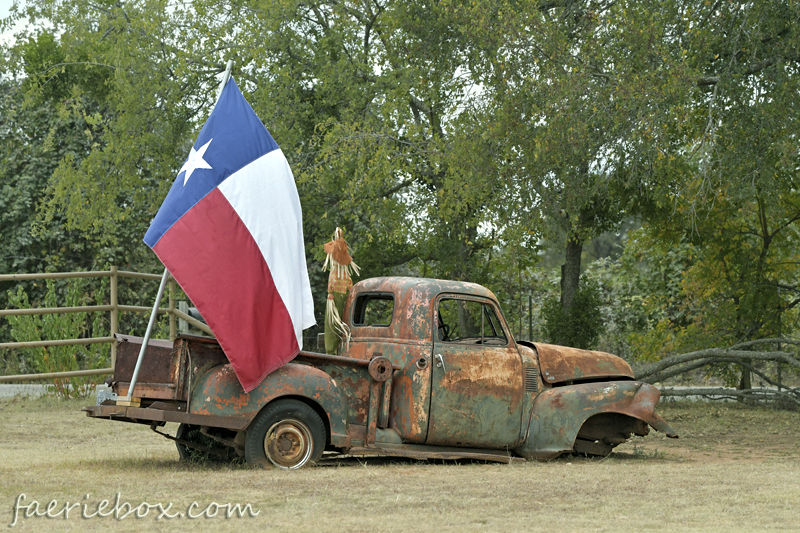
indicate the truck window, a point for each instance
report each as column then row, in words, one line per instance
column 469, row 322
column 373, row 310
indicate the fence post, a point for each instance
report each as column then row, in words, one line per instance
column 114, row 317
column 173, row 327
column 183, row 326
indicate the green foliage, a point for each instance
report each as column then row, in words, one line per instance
column 579, row 94
column 368, row 102
column 623, row 292
column 451, row 139
column 53, row 75
column 27, row 328
column 45, row 121
column 581, row 325
column 32, row 140
column 736, row 207
column 702, row 293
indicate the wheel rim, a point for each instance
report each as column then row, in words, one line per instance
column 288, row 444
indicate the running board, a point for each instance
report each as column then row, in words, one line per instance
column 419, row 451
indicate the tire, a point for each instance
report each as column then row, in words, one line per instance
column 286, row 434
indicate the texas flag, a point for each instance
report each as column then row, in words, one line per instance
column 231, row 233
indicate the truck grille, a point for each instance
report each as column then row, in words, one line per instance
column 531, row 378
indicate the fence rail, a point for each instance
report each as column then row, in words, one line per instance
column 60, row 342
column 113, row 307
column 58, row 375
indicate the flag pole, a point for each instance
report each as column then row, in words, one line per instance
column 225, row 77
column 128, row 399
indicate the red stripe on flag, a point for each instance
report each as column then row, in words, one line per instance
column 224, row 274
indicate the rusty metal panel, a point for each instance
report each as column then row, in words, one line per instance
column 321, row 358
column 559, row 413
column 167, row 368
column 386, row 398
column 411, row 390
column 160, row 376
column 372, row 414
column 354, row 383
column 154, row 391
column 410, row 393
column 158, row 365
column 560, row 364
column 201, row 353
column 477, row 390
column 532, row 383
column 406, row 342
column 219, row 393
column 476, row 396
column 357, row 434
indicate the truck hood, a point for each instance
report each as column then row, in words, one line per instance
column 560, row 363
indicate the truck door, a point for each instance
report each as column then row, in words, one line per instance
column 476, row 379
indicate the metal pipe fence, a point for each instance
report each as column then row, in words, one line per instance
column 113, row 307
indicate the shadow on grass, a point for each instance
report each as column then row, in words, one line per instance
column 346, row 461
column 139, row 464
column 333, row 460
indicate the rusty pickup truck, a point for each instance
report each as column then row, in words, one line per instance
column 431, row 371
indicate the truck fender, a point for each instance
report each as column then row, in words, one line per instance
column 218, row 392
column 559, row 413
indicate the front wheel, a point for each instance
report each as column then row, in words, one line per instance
column 287, row 434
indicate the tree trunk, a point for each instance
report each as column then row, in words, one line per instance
column 571, row 272
column 745, row 383
column 466, row 252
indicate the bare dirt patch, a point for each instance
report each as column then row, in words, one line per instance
column 734, row 468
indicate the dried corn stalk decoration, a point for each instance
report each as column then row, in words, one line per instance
column 342, row 267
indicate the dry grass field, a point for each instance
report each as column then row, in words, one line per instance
column 734, row 468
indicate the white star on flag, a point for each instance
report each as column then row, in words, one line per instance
column 195, row 161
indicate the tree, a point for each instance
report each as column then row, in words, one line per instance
column 738, row 204
column 738, row 279
column 582, row 93
column 48, row 116
column 448, row 137
column 380, row 88
column 365, row 99
column 665, row 110
column 55, row 113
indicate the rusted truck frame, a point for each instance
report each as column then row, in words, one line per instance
column 431, row 371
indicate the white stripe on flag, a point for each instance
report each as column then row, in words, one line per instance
column 264, row 196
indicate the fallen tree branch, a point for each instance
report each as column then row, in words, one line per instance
column 733, row 354
column 738, row 355
column 772, row 340
column 721, row 393
column 662, row 376
column 671, row 373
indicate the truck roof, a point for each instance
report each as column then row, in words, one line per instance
column 424, row 288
